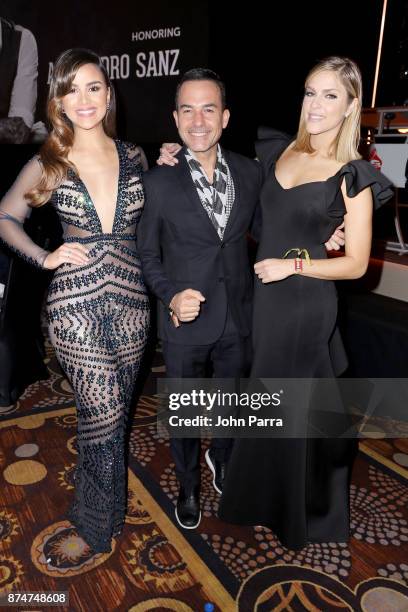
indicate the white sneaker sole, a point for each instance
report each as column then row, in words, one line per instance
column 185, row 526
column 211, row 466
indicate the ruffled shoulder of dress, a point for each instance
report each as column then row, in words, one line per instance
column 360, row 174
column 270, row 144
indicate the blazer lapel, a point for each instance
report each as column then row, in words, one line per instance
column 190, row 191
column 230, row 159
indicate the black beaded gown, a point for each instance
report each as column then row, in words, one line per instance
column 297, row 487
column 98, row 316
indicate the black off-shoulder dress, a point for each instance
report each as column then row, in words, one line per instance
column 297, row 487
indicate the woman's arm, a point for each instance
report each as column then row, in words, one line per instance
column 14, row 209
column 358, row 233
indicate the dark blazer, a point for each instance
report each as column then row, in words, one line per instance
column 180, row 248
column 11, row 39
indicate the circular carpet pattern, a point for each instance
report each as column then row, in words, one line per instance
column 27, row 450
column 242, row 559
column 31, row 422
column 289, row 587
column 66, row 478
column 162, row 604
column 68, row 421
column 9, row 527
column 142, row 447
column 72, row 445
column 11, row 571
column 136, row 514
column 25, row 472
column 152, row 562
column 59, row 551
column 395, row 572
column 375, row 513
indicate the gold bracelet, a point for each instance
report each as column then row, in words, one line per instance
column 299, row 252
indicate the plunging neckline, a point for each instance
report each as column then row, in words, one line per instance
column 116, row 202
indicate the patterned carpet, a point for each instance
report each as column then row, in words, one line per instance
column 156, row 566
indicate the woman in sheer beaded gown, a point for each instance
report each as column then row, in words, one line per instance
column 298, row 487
column 97, row 306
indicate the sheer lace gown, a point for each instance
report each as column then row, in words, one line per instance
column 98, row 316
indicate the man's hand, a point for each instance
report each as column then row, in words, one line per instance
column 168, row 152
column 336, row 240
column 175, row 320
column 186, row 305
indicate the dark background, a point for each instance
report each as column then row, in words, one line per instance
column 144, row 104
column 263, row 52
column 265, row 56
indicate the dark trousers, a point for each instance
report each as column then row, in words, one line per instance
column 228, row 357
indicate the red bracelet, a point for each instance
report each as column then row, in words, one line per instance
column 298, row 265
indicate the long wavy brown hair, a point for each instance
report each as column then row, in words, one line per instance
column 55, row 150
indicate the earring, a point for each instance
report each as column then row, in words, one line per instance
column 107, row 106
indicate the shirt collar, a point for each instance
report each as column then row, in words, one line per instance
column 220, row 156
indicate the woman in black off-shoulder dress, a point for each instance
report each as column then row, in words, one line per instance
column 299, row 487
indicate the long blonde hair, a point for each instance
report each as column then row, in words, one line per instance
column 54, row 152
column 345, row 145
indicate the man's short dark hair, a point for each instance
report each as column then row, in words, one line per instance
column 203, row 74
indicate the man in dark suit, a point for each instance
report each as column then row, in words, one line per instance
column 192, row 243
column 18, row 77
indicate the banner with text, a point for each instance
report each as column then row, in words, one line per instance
column 145, row 47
